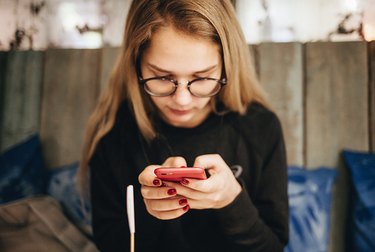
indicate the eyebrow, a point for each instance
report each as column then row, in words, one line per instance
column 170, row 72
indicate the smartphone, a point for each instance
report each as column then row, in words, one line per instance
column 177, row 174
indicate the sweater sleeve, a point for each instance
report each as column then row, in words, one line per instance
column 109, row 221
column 261, row 223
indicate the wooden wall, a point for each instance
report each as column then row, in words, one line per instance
column 323, row 92
column 21, row 75
column 70, row 91
column 371, row 53
column 336, row 114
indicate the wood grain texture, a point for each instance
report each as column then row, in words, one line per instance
column 108, row 60
column 254, row 57
column 336, row 116
column 336, row 100
column 3, row 70
column 371, row 52
column 21, row 96
column 281, row 74
column 71, row 87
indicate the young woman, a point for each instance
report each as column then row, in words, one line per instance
column 184, row 93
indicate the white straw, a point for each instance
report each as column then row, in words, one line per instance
column 130, row 212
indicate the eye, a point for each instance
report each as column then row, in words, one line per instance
column 200, row 76
column 169, row 77
column 158, row 74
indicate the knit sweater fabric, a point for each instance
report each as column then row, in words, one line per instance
column 252, row 145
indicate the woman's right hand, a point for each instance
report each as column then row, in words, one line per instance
column 162, row 201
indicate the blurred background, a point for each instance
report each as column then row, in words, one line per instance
column 41, row 24
column 314, row 58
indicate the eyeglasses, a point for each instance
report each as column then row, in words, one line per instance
column 200, row 87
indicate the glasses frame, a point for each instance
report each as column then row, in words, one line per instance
column 222, row 82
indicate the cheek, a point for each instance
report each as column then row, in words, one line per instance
column 162, row 102
column 159, row 102
column 202, row 102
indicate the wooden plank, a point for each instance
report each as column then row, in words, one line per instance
column 336, row 116
column 109, row 57
column 371, row 51
column 21, row 92
column 71, row 87
column 3, row 70
column 281, row 74
column 254, row 57
column 336, row 101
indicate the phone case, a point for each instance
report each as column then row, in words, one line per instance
column 177, row 174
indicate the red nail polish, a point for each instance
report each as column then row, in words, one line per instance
column 186, row 208
column 182, row 202
column 156, row 182
column 184, row 181
column 172, row 191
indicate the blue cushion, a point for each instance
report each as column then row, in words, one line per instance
column 62, row 186
column 310, row 193
column 361, row 166
column 22, row 171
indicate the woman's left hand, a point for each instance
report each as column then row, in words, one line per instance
column 218, row 191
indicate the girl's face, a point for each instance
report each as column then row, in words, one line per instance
column 183, row 58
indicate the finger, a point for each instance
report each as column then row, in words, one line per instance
column 200, row 204
column 186, row 192
column 206, row 186
column 148, row 178
column 212, row 162
column 175, row 162
column 149, row 192
column 169, row 215
column 166, row 204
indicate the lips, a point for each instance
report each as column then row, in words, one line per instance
column 180, row 112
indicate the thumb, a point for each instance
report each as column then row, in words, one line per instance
column 213, row 163
column 175, row 162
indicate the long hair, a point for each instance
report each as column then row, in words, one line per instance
column 210, row 19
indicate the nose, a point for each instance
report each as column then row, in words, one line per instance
column 182, row 96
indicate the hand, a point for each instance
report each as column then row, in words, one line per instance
column 162, row 201
column 218, row 191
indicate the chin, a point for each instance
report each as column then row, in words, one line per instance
column 180, row 122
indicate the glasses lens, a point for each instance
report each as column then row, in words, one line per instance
column 159, row 87
column 205, row 87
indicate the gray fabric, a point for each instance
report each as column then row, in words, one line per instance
column 38, row 224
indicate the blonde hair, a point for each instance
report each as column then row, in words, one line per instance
column 213, row 19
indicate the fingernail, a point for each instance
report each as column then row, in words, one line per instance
column 184, row 181
column 182, row 202
column 183, row 166
column 172, row 191
column 186, row 208
column 156, row 182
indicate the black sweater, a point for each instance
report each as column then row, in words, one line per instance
column 252, row 145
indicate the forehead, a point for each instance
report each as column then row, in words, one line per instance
column 180, row 52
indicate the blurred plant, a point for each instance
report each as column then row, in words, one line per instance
column 35, row 8
column 21, row 33
column 19, row 36
column 343, row 28
column 86, row 28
